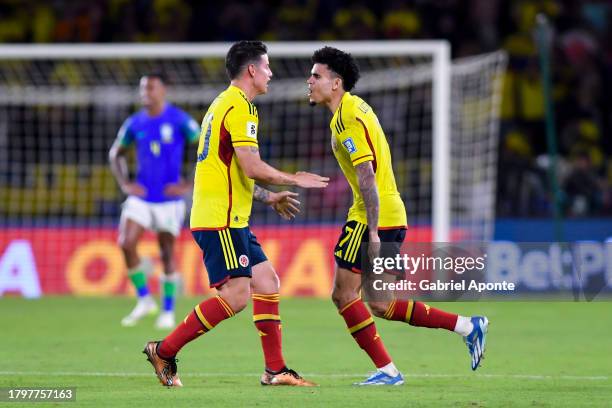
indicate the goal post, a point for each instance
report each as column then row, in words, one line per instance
column 435, row 53
column 61, row 107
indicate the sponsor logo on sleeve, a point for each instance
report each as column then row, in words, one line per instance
column 251, row 129
column 350, row 145
column 364, row 107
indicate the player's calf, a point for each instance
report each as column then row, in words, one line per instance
column 342, row 296
column 204, row 317
column 378, row 309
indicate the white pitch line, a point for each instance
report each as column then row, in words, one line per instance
column 416, row 375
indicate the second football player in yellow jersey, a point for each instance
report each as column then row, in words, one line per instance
column 228, row 164
column 358, row 138
column 377, row 214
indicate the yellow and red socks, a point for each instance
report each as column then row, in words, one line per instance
column 361, row 326
column 267, row 321
column 202, row 319
column 139, row 280
column 420, row 314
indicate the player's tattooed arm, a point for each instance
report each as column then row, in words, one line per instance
column 367, row 185
column 285, row 203
column 369, row 192
column 261, row 194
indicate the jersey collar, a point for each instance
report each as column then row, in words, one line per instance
column 344, row 97
column 234, row 88
column 146, row 113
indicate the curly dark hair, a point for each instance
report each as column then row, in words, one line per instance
column 341, row 63
column 241, row 54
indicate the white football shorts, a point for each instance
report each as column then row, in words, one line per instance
column 159, row 217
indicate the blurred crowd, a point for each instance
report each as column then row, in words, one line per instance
column 581, row 63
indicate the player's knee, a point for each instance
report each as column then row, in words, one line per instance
column 265, row 279
column 236, row 299
column 236, row 303
column 127, row 246
column 342, row 297
column 378, row 308
column 265, row 284
column 239, row 306
column 274, row 280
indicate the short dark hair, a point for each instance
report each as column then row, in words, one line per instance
column 156, row 74
column 341, row 63
column 241, row 54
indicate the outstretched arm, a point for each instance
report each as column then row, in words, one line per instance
column 250, row 162
column 369, row 192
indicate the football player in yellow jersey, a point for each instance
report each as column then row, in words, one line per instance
column 228, row 164
column 377, row 214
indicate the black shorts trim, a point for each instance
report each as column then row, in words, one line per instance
column 348, row 249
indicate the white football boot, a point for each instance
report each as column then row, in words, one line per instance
column 144, row 307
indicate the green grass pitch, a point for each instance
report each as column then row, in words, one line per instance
column 538, row 355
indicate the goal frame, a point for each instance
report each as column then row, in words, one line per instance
column 438, row 50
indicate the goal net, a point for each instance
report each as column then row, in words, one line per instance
column 61, row 107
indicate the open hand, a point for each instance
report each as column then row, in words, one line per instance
column 177, row 189
column 310, row 180
column 133, row 189
column 285, row 204
column 373, row 247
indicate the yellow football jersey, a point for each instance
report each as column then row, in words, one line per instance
column 222, row 193
column 357, row 137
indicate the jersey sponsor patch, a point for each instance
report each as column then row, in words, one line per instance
column 166, row 132
column 364, row 107
column 350, row 145
column 251, row 129
column 244, row 261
